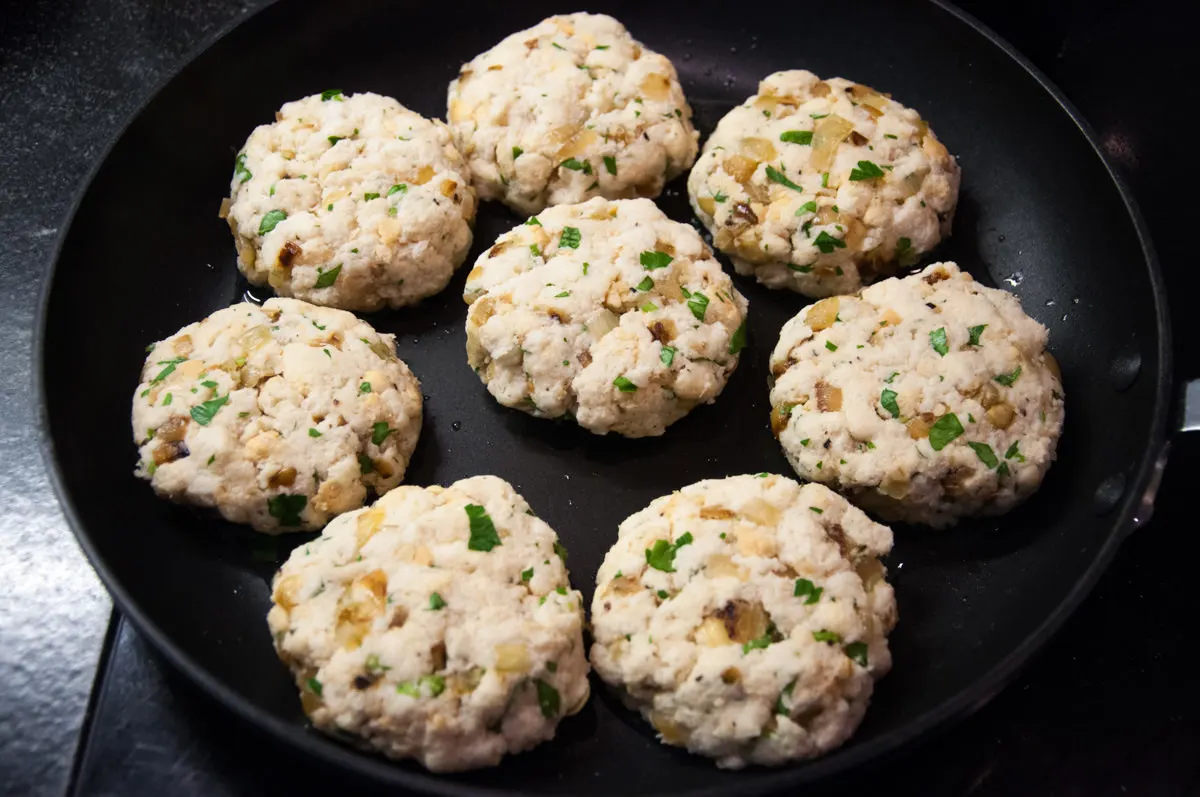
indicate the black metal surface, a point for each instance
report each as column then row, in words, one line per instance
column 1012, row 580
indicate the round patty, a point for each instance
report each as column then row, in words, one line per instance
column 924, row 399
column 569, row 109
column 746, row 618
column 279, row 416
column 351, row 201
column 438, row 624
column 606, row 311
column 821, row 186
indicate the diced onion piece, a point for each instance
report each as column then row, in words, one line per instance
column 760, row 149
column 671, row 732
column 254, row 338
column 512, row 659
column 747, row 620
column 829, row 398
column 721, row 566
column 756, row 510
column 707, row 204
column 890, row 317
column 577, row 144
column 752, row 542
column 459, row 111
column 1001, row 415
column 871, row 572
column 716, row 513
column 285, row 591
column 918, row 428
column 779, row 418
column 823, row 314
column 711, row 633
column 424, row 175
column 740, row 168
column 367, row 524
column 895, row 484
column 1051, row 365
column 461, row 683
column 223, row 213
column 655, row 87
column 602, row 323
column 828, row 135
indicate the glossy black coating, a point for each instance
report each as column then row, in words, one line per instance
column 1040, row 213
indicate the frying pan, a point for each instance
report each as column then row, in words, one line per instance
column 1041, row 214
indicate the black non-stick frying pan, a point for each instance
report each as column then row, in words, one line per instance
column 1041, row 214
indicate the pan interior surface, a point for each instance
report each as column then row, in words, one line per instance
column 1039, row 215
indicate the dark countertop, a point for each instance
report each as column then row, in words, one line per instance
column 1110, row 707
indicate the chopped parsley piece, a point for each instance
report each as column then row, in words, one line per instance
column 738, row 341
column 398, row 188
column 365, row 465
column 533, row 221
column 1003, row 469
column 203, row 413
column 365, row 387
column 857, row 651
column 287, row 508
column 804, row 442
column 649, row 307
column 1014, row 452
column 937, row 339
column 667, row 355
column 483, row 531
column 436, row 602
column 646, row 284
column 662, row 555
column 331, row 94
column 517, row 152
column 327, row 278
column 653, row 260
column 600, row 47
column 557, row 46
column 1008, row 379
column 888, row 400
column 825, row 180
column 536, row 251
column 720, row 196
column 526, row 575
column 408, row 688
column 380, row 432
column 776, row 176
column 624, row 385
column 610, row 164
column 335, row 139
column 757, row 644
column 662, row 593
column 796, row 136
column 780, row 706
column 807, row 590
column 808, row 207
column 239, row 169
column 313, row 433
column 436, row 684
column 211, row 459
column 570, row 237
column 576, row 165
column 866, row 171
column 548, row 699
column 698, row 304
column 801, row 269
column 976, row 333
column 561, row 551
column 562, row 294
column 270, row 220
column 827, row 243
column 985, row 453
column 892, row 376
column 314, row 686
column 818, row 509
column 368, row 196
column 827, row 636
column 945, row 429
column 829, row 344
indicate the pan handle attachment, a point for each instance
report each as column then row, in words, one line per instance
column 1188, row 420
column 1189, row 414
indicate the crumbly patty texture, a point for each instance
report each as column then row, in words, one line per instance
column 924, row 399
column 438, row 624
column 569, row 109
column 280, row 416
column 606, row 311
column 821, row 186
column 746, row 618
column 351, row 201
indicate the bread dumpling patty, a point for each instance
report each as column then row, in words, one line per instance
column 569, row 109
column 746, row 618
column 280, row 416
column 609, row 312
column 923, row 399
column 351, row 201
column 823, row 186
column 438, row 624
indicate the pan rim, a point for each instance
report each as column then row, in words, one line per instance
column 919, row 729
